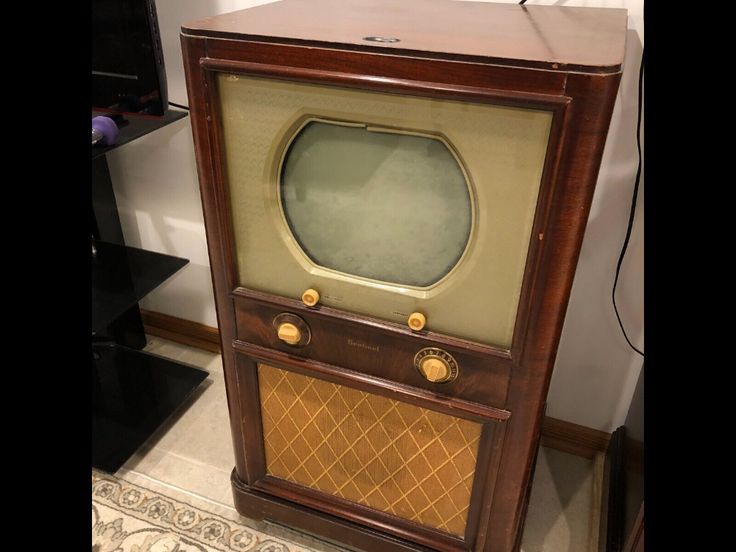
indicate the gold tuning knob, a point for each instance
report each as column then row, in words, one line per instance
column 292, row 329
column 310, row 297
column 435, row 370
column 416, row 321
column 436, row 365
column 289, row 333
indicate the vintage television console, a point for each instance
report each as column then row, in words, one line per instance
column 395, row 195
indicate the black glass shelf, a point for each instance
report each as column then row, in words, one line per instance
column 134, row 392
column 137, row 126
column 122, row 276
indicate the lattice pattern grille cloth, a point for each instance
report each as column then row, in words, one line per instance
column 395, row 457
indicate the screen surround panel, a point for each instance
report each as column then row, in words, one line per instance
column 501, row 149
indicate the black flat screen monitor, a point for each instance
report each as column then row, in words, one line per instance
column 127, row 60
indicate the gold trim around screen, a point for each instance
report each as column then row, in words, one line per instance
column 314, row 268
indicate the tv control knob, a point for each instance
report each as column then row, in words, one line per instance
column 436, row 365
column 292, row 329
column 416, row 321
column 289, row 333
column 434, row 370
column 310, row 297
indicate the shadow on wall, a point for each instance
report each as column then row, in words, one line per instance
column 157, row 192
column 158, row 173
column 185, row 295
column 594, row 361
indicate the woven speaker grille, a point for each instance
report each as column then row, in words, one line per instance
column 395, row 457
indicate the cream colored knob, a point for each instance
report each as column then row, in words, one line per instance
column 289, row 333
column 435, row 370
column 416, row 321
column 310, row 297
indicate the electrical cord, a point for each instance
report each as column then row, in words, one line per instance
column 632, row 211
column 179, row 106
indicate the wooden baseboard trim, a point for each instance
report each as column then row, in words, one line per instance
column 181, row 331
column 573, row 438
column 557, row 434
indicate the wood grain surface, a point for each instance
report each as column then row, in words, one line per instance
column 553, row 37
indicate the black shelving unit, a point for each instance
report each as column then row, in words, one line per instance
column 135, row 127
column 122, row 276
column 134, row 391
column 127, row 328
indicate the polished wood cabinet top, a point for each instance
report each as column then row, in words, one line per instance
column 550, row 37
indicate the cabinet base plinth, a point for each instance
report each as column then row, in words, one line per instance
column 259, row 506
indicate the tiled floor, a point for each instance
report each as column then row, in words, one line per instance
column 192, row 456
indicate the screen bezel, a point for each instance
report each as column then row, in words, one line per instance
column 311, row 266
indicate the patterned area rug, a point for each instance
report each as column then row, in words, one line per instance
column 130, row 518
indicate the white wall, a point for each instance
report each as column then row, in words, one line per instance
column 596, row 371
column 155, row 181
column 158, row 198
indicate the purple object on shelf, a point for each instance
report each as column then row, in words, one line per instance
column 104, row 131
